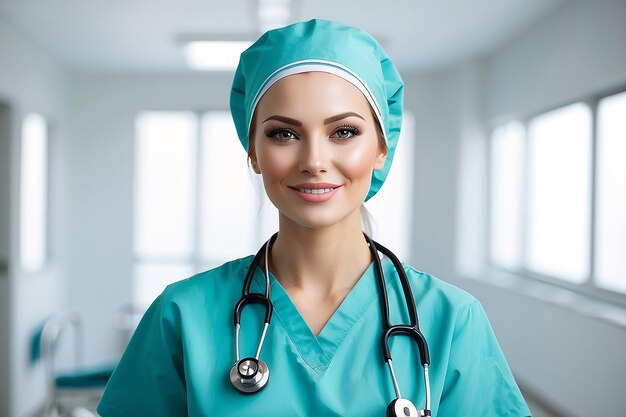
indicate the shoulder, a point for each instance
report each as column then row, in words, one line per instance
column 205, row 297
column 446, row 305
column 223, row 279
column 430, row 286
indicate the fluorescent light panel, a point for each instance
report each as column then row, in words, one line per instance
column 214, row 55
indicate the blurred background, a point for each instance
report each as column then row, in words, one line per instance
column 120, row 172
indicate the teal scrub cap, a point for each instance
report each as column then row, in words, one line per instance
column 321, row 45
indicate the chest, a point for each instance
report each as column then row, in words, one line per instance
column 316, row 311
column 338, row 373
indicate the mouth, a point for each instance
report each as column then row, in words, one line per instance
column 315, row 188
column 315, row 192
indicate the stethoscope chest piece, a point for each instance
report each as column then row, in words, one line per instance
column 249, row 375
column 402, row 407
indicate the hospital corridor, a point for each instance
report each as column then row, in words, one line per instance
column 128, row 208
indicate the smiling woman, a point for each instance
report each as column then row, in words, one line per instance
column 313, row 138
column 318, row 107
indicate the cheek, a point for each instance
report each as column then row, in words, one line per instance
column 357, row 162
column 273, row 165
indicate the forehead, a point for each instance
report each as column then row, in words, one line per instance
column 314, row 91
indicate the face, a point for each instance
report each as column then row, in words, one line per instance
column 315, row 144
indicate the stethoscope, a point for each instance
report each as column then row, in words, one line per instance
column 251, row 374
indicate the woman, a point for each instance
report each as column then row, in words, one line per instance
column 318, row 107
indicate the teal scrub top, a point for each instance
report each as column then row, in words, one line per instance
column 179, row 358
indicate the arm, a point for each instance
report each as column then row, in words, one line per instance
column 478, row 380
column 150, row 379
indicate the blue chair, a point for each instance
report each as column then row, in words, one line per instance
column 68, row 393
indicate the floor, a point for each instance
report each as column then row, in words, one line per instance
column 537, row 409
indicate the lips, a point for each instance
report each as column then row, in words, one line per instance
column 315, row 192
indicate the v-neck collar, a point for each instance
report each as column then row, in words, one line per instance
column 318, row 351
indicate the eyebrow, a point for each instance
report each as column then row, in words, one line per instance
column 326, row 121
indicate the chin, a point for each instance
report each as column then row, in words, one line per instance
column 319, row 219
column 339, row 209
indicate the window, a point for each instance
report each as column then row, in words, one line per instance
column 164, row 197
column 610, row 254
column 558, row 206
column 506, row 167
column 33, row 192
column 185, row 205
column 559, row 174
column 235, row 204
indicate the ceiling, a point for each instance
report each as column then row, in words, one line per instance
column 143, row 35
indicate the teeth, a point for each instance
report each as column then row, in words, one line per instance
column 315, row 190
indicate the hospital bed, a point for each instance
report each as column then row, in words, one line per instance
column 72, row 393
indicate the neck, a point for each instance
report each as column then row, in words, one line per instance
column 320, row 261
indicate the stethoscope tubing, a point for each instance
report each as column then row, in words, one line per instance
column 412, row 329
column 389, row 330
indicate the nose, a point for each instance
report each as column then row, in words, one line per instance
column 314, row 155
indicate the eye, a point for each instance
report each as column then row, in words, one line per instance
column 346, row 132
column 281, row 135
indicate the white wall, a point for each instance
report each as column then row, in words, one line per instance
column 31, row 81
column 104, row 109
column 432, row 99
column 581, row 49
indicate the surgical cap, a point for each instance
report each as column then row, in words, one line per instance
column 321, row 45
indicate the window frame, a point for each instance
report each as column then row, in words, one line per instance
column 589, row 287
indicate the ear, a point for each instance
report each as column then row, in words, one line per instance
column 255, row 163
column 379, row 163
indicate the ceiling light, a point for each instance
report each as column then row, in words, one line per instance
column 214, row 55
